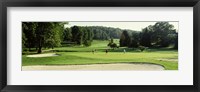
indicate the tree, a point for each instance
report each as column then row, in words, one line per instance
column 161, row 33
column 145, row 37
column 142, row 48
column 42, row 34
column 87, row 43
column 77, row 35
column 48, row 34
column 42, row 29
column 67, row 35
column 23, row 39
column 53, row 37
column 124, row 39
column 111, row 41
column 134, row 40
column 75, row 30
column 111, row 44
column 28, row 30
column 176, row 42
column 62, row 29
column 81, row 35
column 105, row 33
column 90, row 34
column 85, row 36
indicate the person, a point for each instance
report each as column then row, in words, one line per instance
column 124, row 51
column 92, row 51
column 106, row 51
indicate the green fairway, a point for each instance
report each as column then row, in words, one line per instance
column 83, row 55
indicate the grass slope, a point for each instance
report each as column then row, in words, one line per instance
column 83, row 55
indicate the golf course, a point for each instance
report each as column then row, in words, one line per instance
column 68, row 46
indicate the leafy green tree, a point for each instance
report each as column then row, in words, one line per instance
column 142, row 48
column 111, row 40
column 85, row 36
column 53, row 36
column 75, row 30
column 124, row 39
column 87, row 43
column 105, row 33
column 77, row 35
column 43, row 30
column 23, row 39
column 90, row 34
column 67, row 35
column 80, row 37
column 145, row 37
column 134, row 40
column 176, row 42
column 42, row 34
column 161, row 33
column 28, row 30
column 111, row 44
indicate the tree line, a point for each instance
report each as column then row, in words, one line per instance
column 161, row 34
column 78, row 35
column 83, row 35
column 96, row 32
column 40, row 35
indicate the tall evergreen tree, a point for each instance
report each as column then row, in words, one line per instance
column 77, row 35
column 145, row 37
column 125, row 39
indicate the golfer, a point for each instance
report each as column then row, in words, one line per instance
column 92, row 51
column 124, row 51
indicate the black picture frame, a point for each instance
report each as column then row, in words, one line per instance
column 98, row 3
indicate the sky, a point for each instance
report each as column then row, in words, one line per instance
column 137, row 26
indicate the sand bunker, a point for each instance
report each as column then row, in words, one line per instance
column 170, row 59
column 118, row 66
column 44, row 55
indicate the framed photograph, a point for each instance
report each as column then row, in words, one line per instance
column 85, row 45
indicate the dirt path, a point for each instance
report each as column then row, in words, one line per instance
column 137, row 67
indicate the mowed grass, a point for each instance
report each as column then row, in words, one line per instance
column 84, row 55
column 98, row 45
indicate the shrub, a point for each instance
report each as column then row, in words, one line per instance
column 113, row 45
column 142, row 48
column 87, row 43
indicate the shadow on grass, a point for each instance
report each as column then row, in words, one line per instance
column 121, row 49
